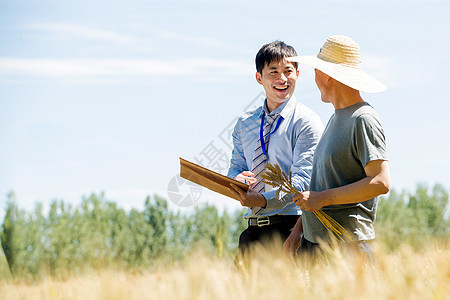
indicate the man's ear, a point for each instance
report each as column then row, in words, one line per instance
column 328, row 79
column 331, row 81
column 258, row 78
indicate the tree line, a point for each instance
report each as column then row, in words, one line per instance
column 99, row 234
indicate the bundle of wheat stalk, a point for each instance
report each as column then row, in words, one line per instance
column 277, row 178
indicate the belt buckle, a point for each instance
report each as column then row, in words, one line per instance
column 264, row 221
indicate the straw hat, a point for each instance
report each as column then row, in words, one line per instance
column 340, row 58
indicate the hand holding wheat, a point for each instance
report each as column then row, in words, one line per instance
column 277, row 178
column 309, row 201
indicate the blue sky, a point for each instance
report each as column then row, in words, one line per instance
column 106, row 95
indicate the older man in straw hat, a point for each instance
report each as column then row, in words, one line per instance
column 350, row 167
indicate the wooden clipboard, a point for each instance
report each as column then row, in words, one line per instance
column 209, row 179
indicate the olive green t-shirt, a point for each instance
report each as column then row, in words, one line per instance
column 353, row 137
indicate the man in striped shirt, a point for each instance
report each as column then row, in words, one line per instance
column 282, row 131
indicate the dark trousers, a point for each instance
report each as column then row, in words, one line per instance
column 313, row 249
column 266, row 234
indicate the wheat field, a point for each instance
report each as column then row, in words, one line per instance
column 403, row 274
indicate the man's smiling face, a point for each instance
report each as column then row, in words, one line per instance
column 278, row 79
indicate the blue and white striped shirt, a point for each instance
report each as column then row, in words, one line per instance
column 291, row 146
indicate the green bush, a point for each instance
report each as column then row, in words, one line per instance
column 98, row 234
column 413, row 218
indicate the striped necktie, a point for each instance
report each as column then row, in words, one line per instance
column 259, row 159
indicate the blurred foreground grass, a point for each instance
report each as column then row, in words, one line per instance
column 401, row 274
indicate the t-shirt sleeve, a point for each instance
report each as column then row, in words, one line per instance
column 369, row 139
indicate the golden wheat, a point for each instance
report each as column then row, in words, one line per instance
column 404, row 274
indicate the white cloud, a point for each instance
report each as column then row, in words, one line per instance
column 71, row 68
column 64, row 30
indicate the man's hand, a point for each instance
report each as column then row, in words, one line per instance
column 375, row 183
column 292, row 243
column 246, row 177
column 250, row 198
column 310, row 201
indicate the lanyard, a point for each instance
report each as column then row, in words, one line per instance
column 261, row 134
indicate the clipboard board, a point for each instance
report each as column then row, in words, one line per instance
column 209, row 179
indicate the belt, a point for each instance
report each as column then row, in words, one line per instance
column 271, row 220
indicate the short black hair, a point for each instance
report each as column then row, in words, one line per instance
column 274, row 51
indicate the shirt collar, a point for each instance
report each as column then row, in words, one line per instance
column 284, row 109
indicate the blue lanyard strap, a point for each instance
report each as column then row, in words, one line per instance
column 261, row 134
